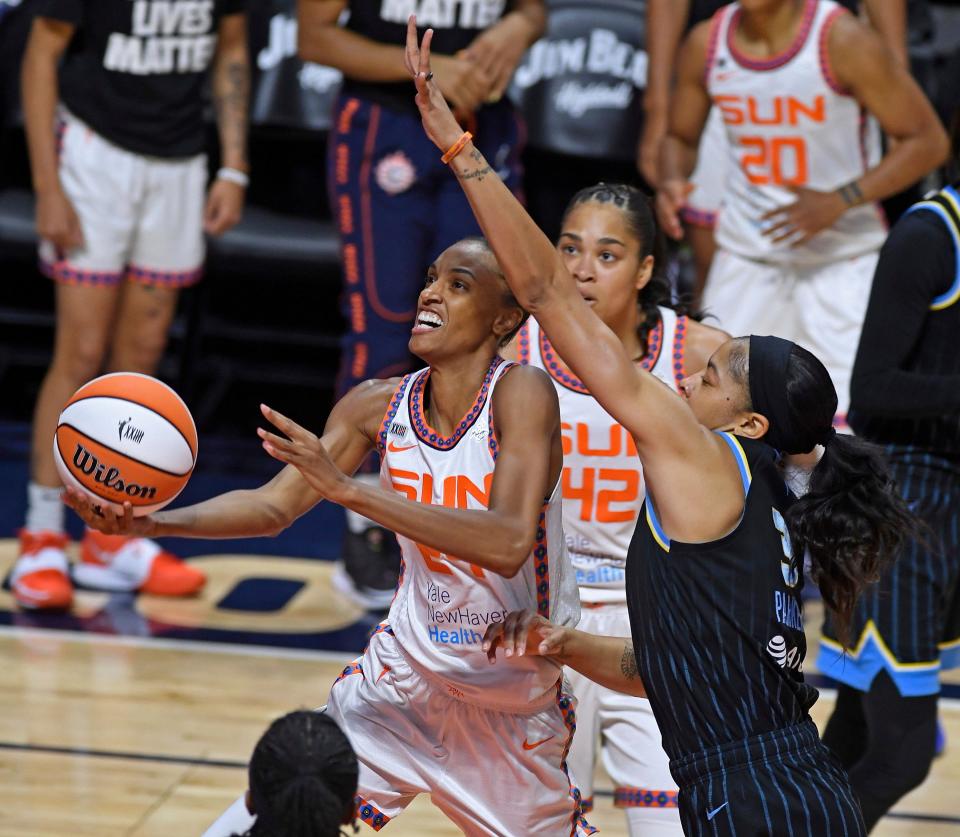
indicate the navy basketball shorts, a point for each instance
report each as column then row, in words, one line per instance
column 783, row 783
column 909, row 622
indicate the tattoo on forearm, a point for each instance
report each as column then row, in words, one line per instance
column 232, row 93
column 475, row 174
column 628, row 662
column 478, row 173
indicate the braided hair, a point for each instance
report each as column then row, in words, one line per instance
column 303, row 778
column 638, row 213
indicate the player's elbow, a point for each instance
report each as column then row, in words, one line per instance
column 939, row 144
column 275, row 520
column 515, row 555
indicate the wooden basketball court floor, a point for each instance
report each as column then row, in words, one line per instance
column 108, row 735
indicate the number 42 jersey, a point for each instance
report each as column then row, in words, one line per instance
column 602, row 476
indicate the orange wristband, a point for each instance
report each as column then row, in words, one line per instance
column 456, row 148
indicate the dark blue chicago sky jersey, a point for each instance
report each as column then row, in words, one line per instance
column 717, row 627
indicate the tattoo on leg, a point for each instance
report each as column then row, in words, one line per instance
column 628, row 662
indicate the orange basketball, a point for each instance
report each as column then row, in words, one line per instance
column 126, row 437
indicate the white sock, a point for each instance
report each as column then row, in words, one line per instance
column 45, row 509
column 357, row 523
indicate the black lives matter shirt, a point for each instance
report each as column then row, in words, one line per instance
column 455, row 24
column 718, row 626
column 134, row 70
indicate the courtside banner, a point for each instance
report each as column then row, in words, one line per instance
column 580, row 87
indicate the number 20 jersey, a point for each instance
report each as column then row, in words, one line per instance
column 444, row 605
column 602, row 476
column 789, row 123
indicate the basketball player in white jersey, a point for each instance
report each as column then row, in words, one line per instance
column 800, row 228
column 667, row 22
column 609, row 241
column 471, row 461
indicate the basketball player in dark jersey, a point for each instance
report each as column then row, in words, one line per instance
column 906, row 396
column 714, row 569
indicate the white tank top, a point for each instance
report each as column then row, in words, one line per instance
column 602, row 478
column 443, row 605
column 789, row 122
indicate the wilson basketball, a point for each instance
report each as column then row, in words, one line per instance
column 126, row 437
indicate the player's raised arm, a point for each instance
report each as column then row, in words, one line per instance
column 271, row 508
column 542, row 285
column 498, row 538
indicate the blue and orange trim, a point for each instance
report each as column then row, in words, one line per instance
column 644, row 798
column 425, row 433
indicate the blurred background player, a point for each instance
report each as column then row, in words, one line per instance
column 471, row 458
column 394, row 202
column 800, row 229
column 119, row 174
column 667, row 23
column 611, row 246
column 303, row 778
column 906, row 396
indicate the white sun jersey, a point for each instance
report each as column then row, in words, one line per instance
column 444, row 605
column 790, row 123
column 602, row 477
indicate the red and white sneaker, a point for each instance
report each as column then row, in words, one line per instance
column 40, row 578
column 121, row 564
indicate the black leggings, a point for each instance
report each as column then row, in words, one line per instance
column 885, row 741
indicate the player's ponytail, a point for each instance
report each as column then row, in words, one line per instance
column 851, row 523
column 852, row 520
column 303, row 778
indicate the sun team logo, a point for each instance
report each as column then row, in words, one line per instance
column 395, row 173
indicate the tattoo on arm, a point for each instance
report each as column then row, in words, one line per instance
column 628, row 662
column 478, row 173
column 230, row 100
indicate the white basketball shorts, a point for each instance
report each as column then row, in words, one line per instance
column 821, row 307
column 622, row 728
column 490, row 772
column 141, row 217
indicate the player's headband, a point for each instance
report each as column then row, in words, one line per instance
column 769, row 357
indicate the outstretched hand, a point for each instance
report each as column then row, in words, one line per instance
column 105, row 519
column 439, row 123
column 304, row 451
column 524, row 632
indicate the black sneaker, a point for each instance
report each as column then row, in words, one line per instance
column 370, row 567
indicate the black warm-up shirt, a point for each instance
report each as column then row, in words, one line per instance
column 135, row 69
column 906, row 379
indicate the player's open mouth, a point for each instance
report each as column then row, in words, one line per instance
column 427, row 321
